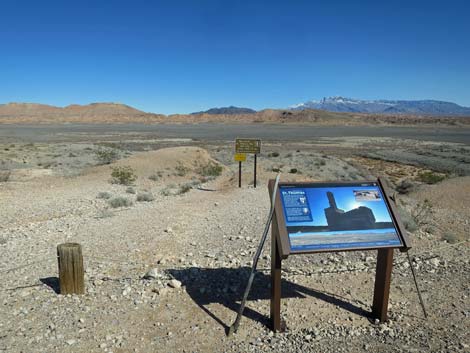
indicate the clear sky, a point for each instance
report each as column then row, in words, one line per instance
column 185, row 56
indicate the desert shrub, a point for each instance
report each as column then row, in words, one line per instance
column 273, row 154
column 197, row 182
column 119, row 202
column 405, row 186
column 166, row 192
column 4, row 176
column 450, row 237
column 210, row 170
column 184, row 189
column 293, row 170
column 106, row 156
column 276, row 170
column 181, row 170
column 423, row 213
column 145, row 196
column 104, row 195
column 407, row 220
column 124, row 175
column 155, row 176
column 130, row 190
column 430, row 177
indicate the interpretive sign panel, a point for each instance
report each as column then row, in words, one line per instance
column 313, row 217
column 248, row 146
column 321, row 217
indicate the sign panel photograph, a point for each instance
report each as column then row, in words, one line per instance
column 321, row 217
column 248, row 146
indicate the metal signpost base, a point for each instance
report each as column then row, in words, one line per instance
column 235, row 325
column 276, row 324
column 254, row 174
column 383, row 276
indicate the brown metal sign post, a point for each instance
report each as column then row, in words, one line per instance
column 254, row 174
column 240, row 157
column 281, row 244
column 244, row 146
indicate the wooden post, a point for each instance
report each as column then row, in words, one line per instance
column 254, row 182
column 383, row 276
column 276, row 324
column 239, row 174
column 71, row 272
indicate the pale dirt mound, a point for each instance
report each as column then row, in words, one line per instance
column 168, row 158
column 168, row 165
column 449, row 207
column 182, row 160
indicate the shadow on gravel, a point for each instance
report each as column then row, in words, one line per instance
column 52, row 282
column 226, row 286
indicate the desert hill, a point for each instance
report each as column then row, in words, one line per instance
column 33, row 113
column 90, row 113
column 318, row 117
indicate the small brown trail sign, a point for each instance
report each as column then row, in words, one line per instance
column 252, row 146
column 242, row 147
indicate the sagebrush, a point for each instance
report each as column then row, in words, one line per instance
column 210, row 170
column 145, row 196
column 106, row 155
column 119, row 202
column 124, row 175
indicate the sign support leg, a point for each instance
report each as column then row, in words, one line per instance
column 416, row 284
column 254, row 183
column 276, row 325
column 383, row 276
column 239, row 174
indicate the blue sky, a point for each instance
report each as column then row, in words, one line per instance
column 185, row 56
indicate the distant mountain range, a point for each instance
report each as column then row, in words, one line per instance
column 227, row 110
column 412, row 107
column 336, row 111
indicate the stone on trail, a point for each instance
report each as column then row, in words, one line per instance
column 435, row 262
column 174, row 283
column 151, row 274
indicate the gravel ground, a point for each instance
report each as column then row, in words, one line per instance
column 168, row 275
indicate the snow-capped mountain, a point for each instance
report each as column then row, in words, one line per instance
column 417, row 107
